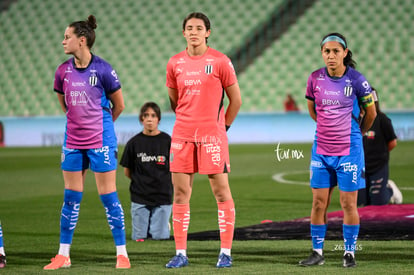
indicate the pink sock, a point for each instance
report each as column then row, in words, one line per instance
column 226, row 220
column 181, row 221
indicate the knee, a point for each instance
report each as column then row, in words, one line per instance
column 349, row 208
column 160, row 232
column 164, row 235
column 348, row 205
column 222, row 192
column 319, row 204
column 181, row 198
column 182, row 194
column 139, row 230
column 223, row 196
column 375, row 189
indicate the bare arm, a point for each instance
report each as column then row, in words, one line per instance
column 311, row 108
column 392, row 144
column 118, row 104
column 62, row 103
column 173, row 94
column 235, row 102
column 370, row 114
column 127, row 172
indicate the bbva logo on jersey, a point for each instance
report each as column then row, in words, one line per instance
column 208, row 69
column 348, row 90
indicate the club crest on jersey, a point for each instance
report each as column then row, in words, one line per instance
column 348, row 90
column 93, row 79
column 208, row 69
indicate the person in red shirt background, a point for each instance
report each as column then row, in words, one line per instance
column 290, row 104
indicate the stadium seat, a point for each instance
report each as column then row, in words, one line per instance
column 139, row 43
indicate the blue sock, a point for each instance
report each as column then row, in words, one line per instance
column 115, row 216
column 1, row 236
column 69, row 215
column 318, row 235
column 350, row 233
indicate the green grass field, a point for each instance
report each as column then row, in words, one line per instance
column 31, row 193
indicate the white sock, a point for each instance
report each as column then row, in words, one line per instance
column 121, row 250
column 226, row 251
column 320, row 251
column 64, row 249
column 2, row 251
column 181, row 251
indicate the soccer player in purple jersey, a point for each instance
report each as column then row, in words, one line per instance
column 335, row 94
column 89, row 93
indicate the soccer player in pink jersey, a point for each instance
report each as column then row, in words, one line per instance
column 335, row 95
column 198, row 78
column 90, row 94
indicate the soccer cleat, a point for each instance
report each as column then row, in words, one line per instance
column 349, row 260
column 397, row 197
column 2, row 261
column 59, row 261
column 122, row 262
column 224, row 261
column 177, row 261
column 314, row 259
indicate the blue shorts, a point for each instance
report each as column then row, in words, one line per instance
column 344, row 171
column 98, row 160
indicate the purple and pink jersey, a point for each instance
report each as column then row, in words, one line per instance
column 337, row 109
column 89, row 118
column 200, row 82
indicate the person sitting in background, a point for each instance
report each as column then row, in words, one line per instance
column 146, row 162
column 290, row 104
column 379, row 140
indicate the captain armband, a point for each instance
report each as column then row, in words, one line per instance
column 366, row 101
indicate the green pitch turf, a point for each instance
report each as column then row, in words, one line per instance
column 31, row 193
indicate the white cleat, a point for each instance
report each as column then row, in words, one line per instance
column 397, row 197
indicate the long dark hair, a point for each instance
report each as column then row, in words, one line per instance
column 348, row 61
column 85, row 28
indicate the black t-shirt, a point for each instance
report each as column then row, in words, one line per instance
column 148, row 159
column 376, row 143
